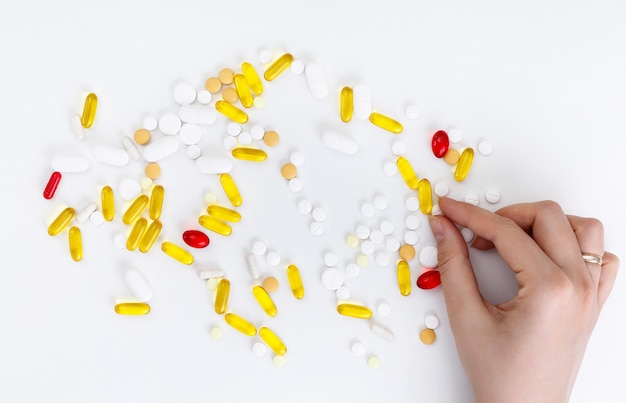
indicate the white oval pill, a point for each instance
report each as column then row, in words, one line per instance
column 77, row 128
column 169, row 124
column 253, row 266
column 110, row 155
column 472, row 198
column 332, row 278
column 129, row 188
column 190, row 134
column 206, row 274
column 339, row 142
column 428, row 256
column 131, row 148
column 381, row 330
column 198, row 114
column 160, row 149
column 138, row 285
column 184, row 94
column 213, row 165
column 66, row 163
column 318, row 84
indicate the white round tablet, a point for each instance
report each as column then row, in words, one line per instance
column 413, row 111
column 390, row 168
column 194, row 152
column 279, row 360
column 319, row 214
column 412, row 222
column 233, row 129
column 150, row 123
column 485, row 147
column 362, row 231
column 204, row 97
column 296, row 158
column 392, row 244
column 244, row 138
column 357, row 349
column 257, row 132
column 305, row 206
column 119, row 240
column 272, row 258
column 472, row 198
column 184, row 94
column 353, row 270
column 377, row 236
column 230, row 142
column 259, row 248
column 411, row 237
column 467, row 234
column 368, row 247
column 331, row 259
column 384, row 309
column 169, row 124
column 332, row 278
column 383, row 259
column 295, row 185
column 297, row 67
column 381, row 202
column 431, row 321
column 428, row 256
column 259, row 349
column 210, row 198
column 492, row 195
column 343, row 293
column 368, row 210
column 436, row 210
column 129, row 188
column 442, row 189
column 265, row 56
column 190, row 134
column 412, row 203
column 316, row 228
column 146, row 183
column 96, row 218
column 398, row 148
column 386, row 227
column 455, row 135
column 216, row 332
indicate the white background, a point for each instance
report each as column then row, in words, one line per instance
column 545, row 81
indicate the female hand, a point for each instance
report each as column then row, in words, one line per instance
column 528, row 349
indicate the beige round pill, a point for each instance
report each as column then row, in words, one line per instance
column 270, row 284
column 428, row 336
column 226, row 76
column 271, row 138
column 213, row 85
column 229, row 95
column 216, row 332
column 407, row 252
column 289, row 171
column 452, row 156
column 142, row 136
column 153, row 170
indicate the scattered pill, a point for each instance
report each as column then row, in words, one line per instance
column 385, row 122
column 368, row 247
column 381, row 202
column 264, row 300
column 204, row 97
column 231, row 111
column 216, row 332
column 305, row 206
column 149, row 237
column 354, row 311
column 213, row 85
column 206, row 274
column 76, row 244
column 343, row 293
column 332, row 278
column 492, row 195
column 452, row 157
column 429, row 279
column 376, row 236
column 226, row 76
column 149, row 123
column 428, row 336
column 193, row 151
column 382, row 259
column 146, row 183
column 142, row 136
column 152, row 170
column 259, row 102
column 239, row 323
column 221, row 296
column 319, row 214
column 259, row 248
column 472, row 198
column 392, row 244
column 368, row 210
column 190, row 134
column 398, row 148
column 52, row 185
column 177, row 253
column 428, row 256
column 339, row 142
column 69, row 163
column 485, row 147
column 412, row 222
column 110, row 155
column 331, row 259
column 346, row 104
column 249, row 154
column 229, row 95
column 96, row 218
column 119, row 240
column 436, row 210
column 84, row 214
column 442, row 189
column 184, row 94
column 136, row 233
column 295, row 185
column 230, row 189
column 373, row 362
column 288, row 171
column 129, row 188
column 138, row 285
column 160, row 149
column 386, row 227
column 464, row 164
column 252, row 78
column 132, row 308
column 404, row 278
column 297, row 67
column 108, row 203
column 412, row 203
column 425, row 195
column 440, row 143
column 353, row 270
column 243, row 90
column 390, row 168
column 413, row 111
column 279, row 360
column 352, row 241
column 196, row 239
column 363, row 231
column 212, row 283
column 411, row 237
column 467, row 234
column 169, row 123
column 278, row 66
column 296, row 158
column 77, row 128
column 257, row 132
column 135, row 209
column 212, row 165
column 362, row 261
column 253, row 266
column 272, row 258
column 295, row 281
column 384, row 309
column 431, row 321
column 89, row 111
column 357, row 349
column 273, row 341
column 455, row 135
column 244, row 139
column 381, row 330
column 362, row 96
column 316, row 78
column 316, row 228
column 271, row 138
column 407, row 252
column 407, row 172
column 270, row 284
column 259, row 349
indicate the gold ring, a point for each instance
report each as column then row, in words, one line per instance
column 591, row 258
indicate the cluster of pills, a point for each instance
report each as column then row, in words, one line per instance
column 232, row 94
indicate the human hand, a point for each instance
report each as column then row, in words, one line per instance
column 528, row 349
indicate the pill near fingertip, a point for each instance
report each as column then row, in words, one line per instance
column 442, row 189
column 339, row 142
column 429, row 279
column 472, row 198
column 492, row 195
column 467, row 234
column 428, row 256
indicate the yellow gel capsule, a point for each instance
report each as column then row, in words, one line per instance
column 279, row 65
column 240, row 324
column 231, row 111
column 177, row 252
column 464, row 164
column 230, row 188
column 407, row 172
column 264, row 299
column 249, row 154
column 76, row 244
column 346, row 104
column 273, row 341
column 139, row 228
column 217, row 226
column 295, row 281
column 253, row 79
column 150, row 236
column 156, row 202
column 404, row 278
column 425, row 196
column 385, row 122
column 221, row 296
column 132, row 308
column 243, row 90
column 89, row 111
column 223, row 213
column 355, row 311
column 135, row 209
column 108, row 203
column 61, row 222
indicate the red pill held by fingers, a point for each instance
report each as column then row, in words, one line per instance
column 440, row 143
column 52, row 185
column 195, row 238
column 429, row 279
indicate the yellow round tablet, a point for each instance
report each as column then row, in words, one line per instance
column 213, row 85
column 153, row 170
column 229, row 95
column 407, row 252
column 271, row 138
column 270, row 284
column 352, row 241
column 428, row 336
column 452, row 156
column 226, row 76
column 289, row 171
column 142, row 136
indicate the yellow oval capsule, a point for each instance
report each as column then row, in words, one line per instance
column 76, row 244
column 407, row 172
column 385, row 122
column 89, row 111
column 156, row 202
column 135, row 209
column 404, row 278
column 264, row 299
column 231, row 111
column 61, row 221
column 108, row 203
column 346, row 104
column 223, row 213
column 295, row 281
column 150, row 236
column 139, row 228
column 221, row 296
column 355, row 311
column 217, row 226
column 178, row 253
column 249, row 154
column 231, row 190
column 278, row 66
column 243, row 90
column 273, row 341
column 240, row 324
column 253, row 79
column 132, row 308
column 425, row 196
column 464, row 164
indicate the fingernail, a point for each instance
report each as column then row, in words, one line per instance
column 436, row 227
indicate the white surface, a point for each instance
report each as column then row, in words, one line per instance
column 544, row 81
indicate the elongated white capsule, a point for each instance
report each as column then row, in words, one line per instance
column 339, row 142
column 130, row 147
column 160, row 149
column 213, row 165
column 198, row 114
column 138, row 285
column 69, row 163
column 110, row 155
column 318, row 84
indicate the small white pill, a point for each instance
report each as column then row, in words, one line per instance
column 431, row 321
column 436, row 210
column 190, row 134
column 184, row 94
column 259, row 248
column 485, row 147
column 305, row 206
column 96, row 218
column 412, row 222
column 381, row 202
column 160, row 149
column 194, row 151
column 362, row 96
column 316, row 77
column 411, row 237
column 492, row 195
column 428, row 256
column 353, row 270
column 206, row 274
column 150, row 123
column 368, row 210
column 214, row 165
column 339, row 142
column 146, row 183
column 230, row 143
column 138, row 285
column 362, row 231
column 233, row 129
column 119, row 240
column 297, row 67
column 272, row 258
column 204, row 97
column 295, row 185
column 66, row 163
column 383, row 259
column 442, row 189
column 413, row 111
column 398, row 148
column 84, row 214
column 455, row 135
column 467, row 234
column 265, row 56
column 110, row 155
column 384, row 309
column 296, row 158
column 169, row 124
column 377, row 236
column 131, row 148
column 319, row 214
column 253, row 266
column 332, row 278
column 77, row 128
column 259, row 349
column 390, row 168
column 357, row 349
column 380, row 330
column 412, row 203
column 386, row 227
column 472, row 198
column 316, row 228
column 244, row 139
column 343, row 293
column 257, row 132
column 368, row 247
column 392, row 244
column 129, row 188
column 198, row 114
column 331, row 259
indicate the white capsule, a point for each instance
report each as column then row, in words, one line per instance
column 66, row 163
column 206, row 274
column 198, row 114
column 332, row 278
column 214, row 165
column 194, row 152
column 190, row 134
column 442, row 189
column 138, row 285
column 160, row 149
column 131, row 148
column 110, row 155
column 318, row 84
column 169, row 124
column 362, row 96
column 129, row 188
column 84, row 214
column 428, row 256
column 96, row 218
column 77, row 128
column 184, row 94
column 339, row 142
column 381, row 330
column 253, row 266
column 492, row 195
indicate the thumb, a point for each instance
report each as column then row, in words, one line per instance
column 458, row 282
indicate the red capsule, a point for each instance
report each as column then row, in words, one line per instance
column 440, row 143
column 429, row 279
column 195, row 239
column 52, row 185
